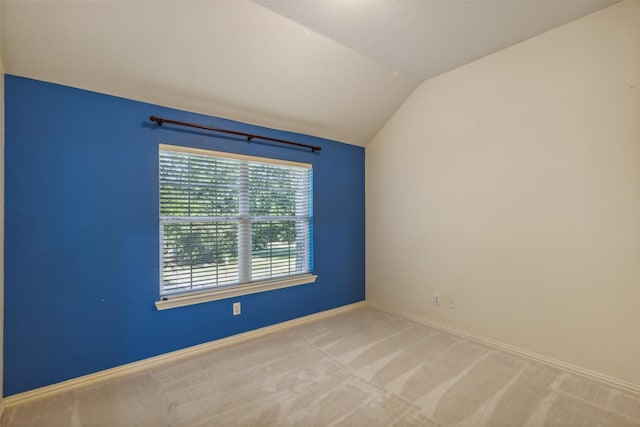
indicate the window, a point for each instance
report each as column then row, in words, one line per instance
column 231, row 221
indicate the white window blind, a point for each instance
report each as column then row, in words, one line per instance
column 230, row 220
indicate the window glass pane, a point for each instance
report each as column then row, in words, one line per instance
column 196, row 185
column 199, row 254
column 279, row 248
column 276, row 190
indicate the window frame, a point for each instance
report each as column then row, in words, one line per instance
column 234, row 290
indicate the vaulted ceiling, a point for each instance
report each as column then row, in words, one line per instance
column 334, row 69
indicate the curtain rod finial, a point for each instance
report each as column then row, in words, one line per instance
column 157, row 120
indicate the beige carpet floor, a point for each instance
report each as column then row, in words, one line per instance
column 359, row 368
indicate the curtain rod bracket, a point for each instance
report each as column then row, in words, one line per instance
column 160, row 121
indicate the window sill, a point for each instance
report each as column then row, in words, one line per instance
column 236, row 291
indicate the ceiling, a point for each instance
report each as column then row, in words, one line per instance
column 427, row 38
column 334, row 69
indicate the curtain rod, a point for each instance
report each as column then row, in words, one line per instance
column 249, row 136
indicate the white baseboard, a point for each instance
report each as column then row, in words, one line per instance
column 593, row 375
column 151, row 362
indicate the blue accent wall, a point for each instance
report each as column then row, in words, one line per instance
column 81, row 242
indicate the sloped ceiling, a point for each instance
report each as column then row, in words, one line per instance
column 427, row 38
column 243, row 61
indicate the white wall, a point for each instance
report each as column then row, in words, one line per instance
column 513, row 185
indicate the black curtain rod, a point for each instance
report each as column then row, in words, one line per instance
column 249, row 136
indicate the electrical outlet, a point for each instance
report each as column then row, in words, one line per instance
column 436, row 298
column 452, row 303
column 236, row 308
